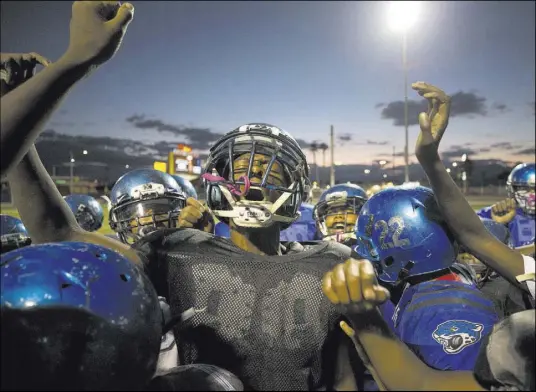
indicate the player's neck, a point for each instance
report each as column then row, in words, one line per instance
column 263, row 241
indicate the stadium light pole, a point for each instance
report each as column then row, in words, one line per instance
column 402, row 15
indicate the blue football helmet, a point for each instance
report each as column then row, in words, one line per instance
column 304, row 229
column 187, row 187
column 77, row 316
column 13, row 234
column 87, row 210
column 337, row 211
column 144, row 200
column 401, row 231
column 521, row 187
column 267, row 186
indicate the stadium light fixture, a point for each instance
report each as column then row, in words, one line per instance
column 366, row 171
column 401, row 16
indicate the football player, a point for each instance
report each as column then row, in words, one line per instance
column 258, row 310
column 87, row 210
column 518, row 212
column 76, row 316
column 337, row 210
column 13, row 234
column 438, row 314
column 505, row 360
column 517, row 268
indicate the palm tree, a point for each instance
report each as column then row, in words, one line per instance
column 314, row 148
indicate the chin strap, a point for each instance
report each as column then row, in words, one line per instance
column 234, row 189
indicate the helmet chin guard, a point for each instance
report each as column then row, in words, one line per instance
column 254, row 214
column 228, row 198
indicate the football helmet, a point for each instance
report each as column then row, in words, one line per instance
column 13, row 233
column 521, row 187
column 77, row 316
column 144, row 200
column 402, row 232
column 187, row 187
column 337, row 211
column 87, row 210
column 256, row 175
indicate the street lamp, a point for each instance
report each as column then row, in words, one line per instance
column 367, row 171
column 402, row 15
column 454, row 164
column 84, row 152
column 71, row 170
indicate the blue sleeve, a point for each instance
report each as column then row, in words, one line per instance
column 484, row 212
column 445, row 327
column 387, row 310
column 222, row 230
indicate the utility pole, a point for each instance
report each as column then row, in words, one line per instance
column 71, row 167
column 405, row 65
column 332, row 146
column 393, row 161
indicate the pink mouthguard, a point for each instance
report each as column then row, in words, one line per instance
column 234, row 189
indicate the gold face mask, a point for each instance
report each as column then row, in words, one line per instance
column 275, row 177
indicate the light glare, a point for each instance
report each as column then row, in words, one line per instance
column 402, row 14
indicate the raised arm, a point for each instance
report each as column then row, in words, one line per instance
column 45, row 213
column 97, row 28
column 459, row 215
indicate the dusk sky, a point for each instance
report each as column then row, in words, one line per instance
column 212, row 66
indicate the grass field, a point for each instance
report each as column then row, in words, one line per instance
column 476, row 202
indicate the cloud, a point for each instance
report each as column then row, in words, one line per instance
column 458, row 152
column 462, row 104
column 526, row 151
column 500, row 107
column 379, row 105
column 484, row 149
column 373, row 143
column 345, row 137
column 198, row 138
column 504, row 146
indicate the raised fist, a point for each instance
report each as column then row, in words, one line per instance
column 196, row 216
column 353, row 285
column 16, row 68
column 504, row 211
column 97, row 29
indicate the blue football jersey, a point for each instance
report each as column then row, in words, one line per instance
column 443, row 322
column 522, row 227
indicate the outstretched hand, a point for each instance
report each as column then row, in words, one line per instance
column 434, row 122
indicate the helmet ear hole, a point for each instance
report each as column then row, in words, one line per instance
column 388, row 261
